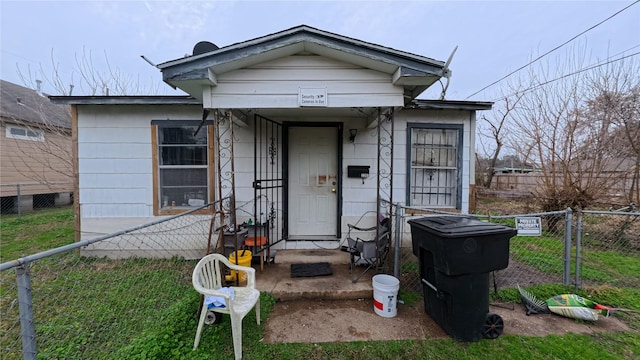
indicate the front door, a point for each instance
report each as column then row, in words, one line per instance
column 313, row 182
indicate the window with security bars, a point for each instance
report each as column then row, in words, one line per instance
column 434, row 159
column 183, row 165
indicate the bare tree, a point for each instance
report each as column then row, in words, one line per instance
column 630, row 120
column 496, row 133
column 88, row 76
column 51, row 156
column 569, row 123
column 621, row 113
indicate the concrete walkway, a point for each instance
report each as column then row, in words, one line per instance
column 333, row 308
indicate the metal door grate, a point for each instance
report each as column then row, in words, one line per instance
column 268, row 181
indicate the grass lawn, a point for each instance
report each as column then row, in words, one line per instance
column 35, row 231
column 146, row 309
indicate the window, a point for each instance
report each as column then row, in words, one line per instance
column 24, row 133
column 183, row 164
column 434, row 160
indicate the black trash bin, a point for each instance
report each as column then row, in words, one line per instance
column 456, row 255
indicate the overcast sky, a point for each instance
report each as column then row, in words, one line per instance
column 493, row 37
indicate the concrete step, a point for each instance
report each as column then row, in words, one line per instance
column 276, row 278
column 307, row 256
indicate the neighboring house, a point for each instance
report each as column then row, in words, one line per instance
column 35, row 150
column 326, row 128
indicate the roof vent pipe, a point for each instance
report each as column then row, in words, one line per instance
column 39, row 87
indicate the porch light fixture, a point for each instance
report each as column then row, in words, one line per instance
column 352, row 135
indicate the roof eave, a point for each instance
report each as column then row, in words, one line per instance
column 290, row 42
column 125, row 100
column 449, row 105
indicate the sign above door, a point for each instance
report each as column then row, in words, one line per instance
column 312, row 97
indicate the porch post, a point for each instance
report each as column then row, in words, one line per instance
column 384, row 185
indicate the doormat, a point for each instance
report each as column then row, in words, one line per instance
column 312, row 269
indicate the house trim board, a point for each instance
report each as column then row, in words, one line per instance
column 76, row 173
column 157, row 210
column 460, row 128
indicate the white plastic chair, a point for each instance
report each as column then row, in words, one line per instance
column 208, row 277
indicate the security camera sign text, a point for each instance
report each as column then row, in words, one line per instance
column 312, row 97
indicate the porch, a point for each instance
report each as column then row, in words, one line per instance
column 276, row 278
column 333, row 308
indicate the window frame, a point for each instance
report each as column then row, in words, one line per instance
column 155, row 155
column 39, row 133
column 459, row 162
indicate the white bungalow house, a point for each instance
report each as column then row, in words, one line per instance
column 324, row 128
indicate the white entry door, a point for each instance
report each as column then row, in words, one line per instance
column 313, row 181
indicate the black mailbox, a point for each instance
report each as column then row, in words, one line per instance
column 356, row 171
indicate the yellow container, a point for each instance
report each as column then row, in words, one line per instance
column 244, row 259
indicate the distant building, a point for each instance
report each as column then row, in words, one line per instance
column 35, row 150
column 513, row 170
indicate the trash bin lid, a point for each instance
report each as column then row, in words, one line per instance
column 457, row 226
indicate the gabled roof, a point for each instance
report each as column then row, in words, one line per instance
column 23, row 105
column 414, row 72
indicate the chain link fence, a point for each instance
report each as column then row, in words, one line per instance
column 26, row 197
column 608, row 248
column 79, row 302
column 587, row 248
column 532, row 260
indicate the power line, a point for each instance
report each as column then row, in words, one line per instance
column 567, row 75
column 598, row 64
column 554, row 49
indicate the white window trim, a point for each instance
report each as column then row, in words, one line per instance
column 39, row 133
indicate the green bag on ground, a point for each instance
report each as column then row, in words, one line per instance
column 577, row 307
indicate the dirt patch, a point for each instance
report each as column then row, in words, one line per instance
column 505, row 206
column 518, row 273
column 355, row 320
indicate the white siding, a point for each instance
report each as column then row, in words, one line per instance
column 400, row 151
column 116, row 171
column 114, row 158
column 186, row 237
column 276, row 84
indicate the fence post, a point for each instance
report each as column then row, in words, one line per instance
column 25, row 305
column 578, row 249
column 398, row 247
column 567, row 247
column 18, row 199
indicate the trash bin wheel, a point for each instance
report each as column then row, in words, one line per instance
column 212, row 318
column 493, row 326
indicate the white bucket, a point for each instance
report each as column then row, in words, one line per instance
column 385, row 295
